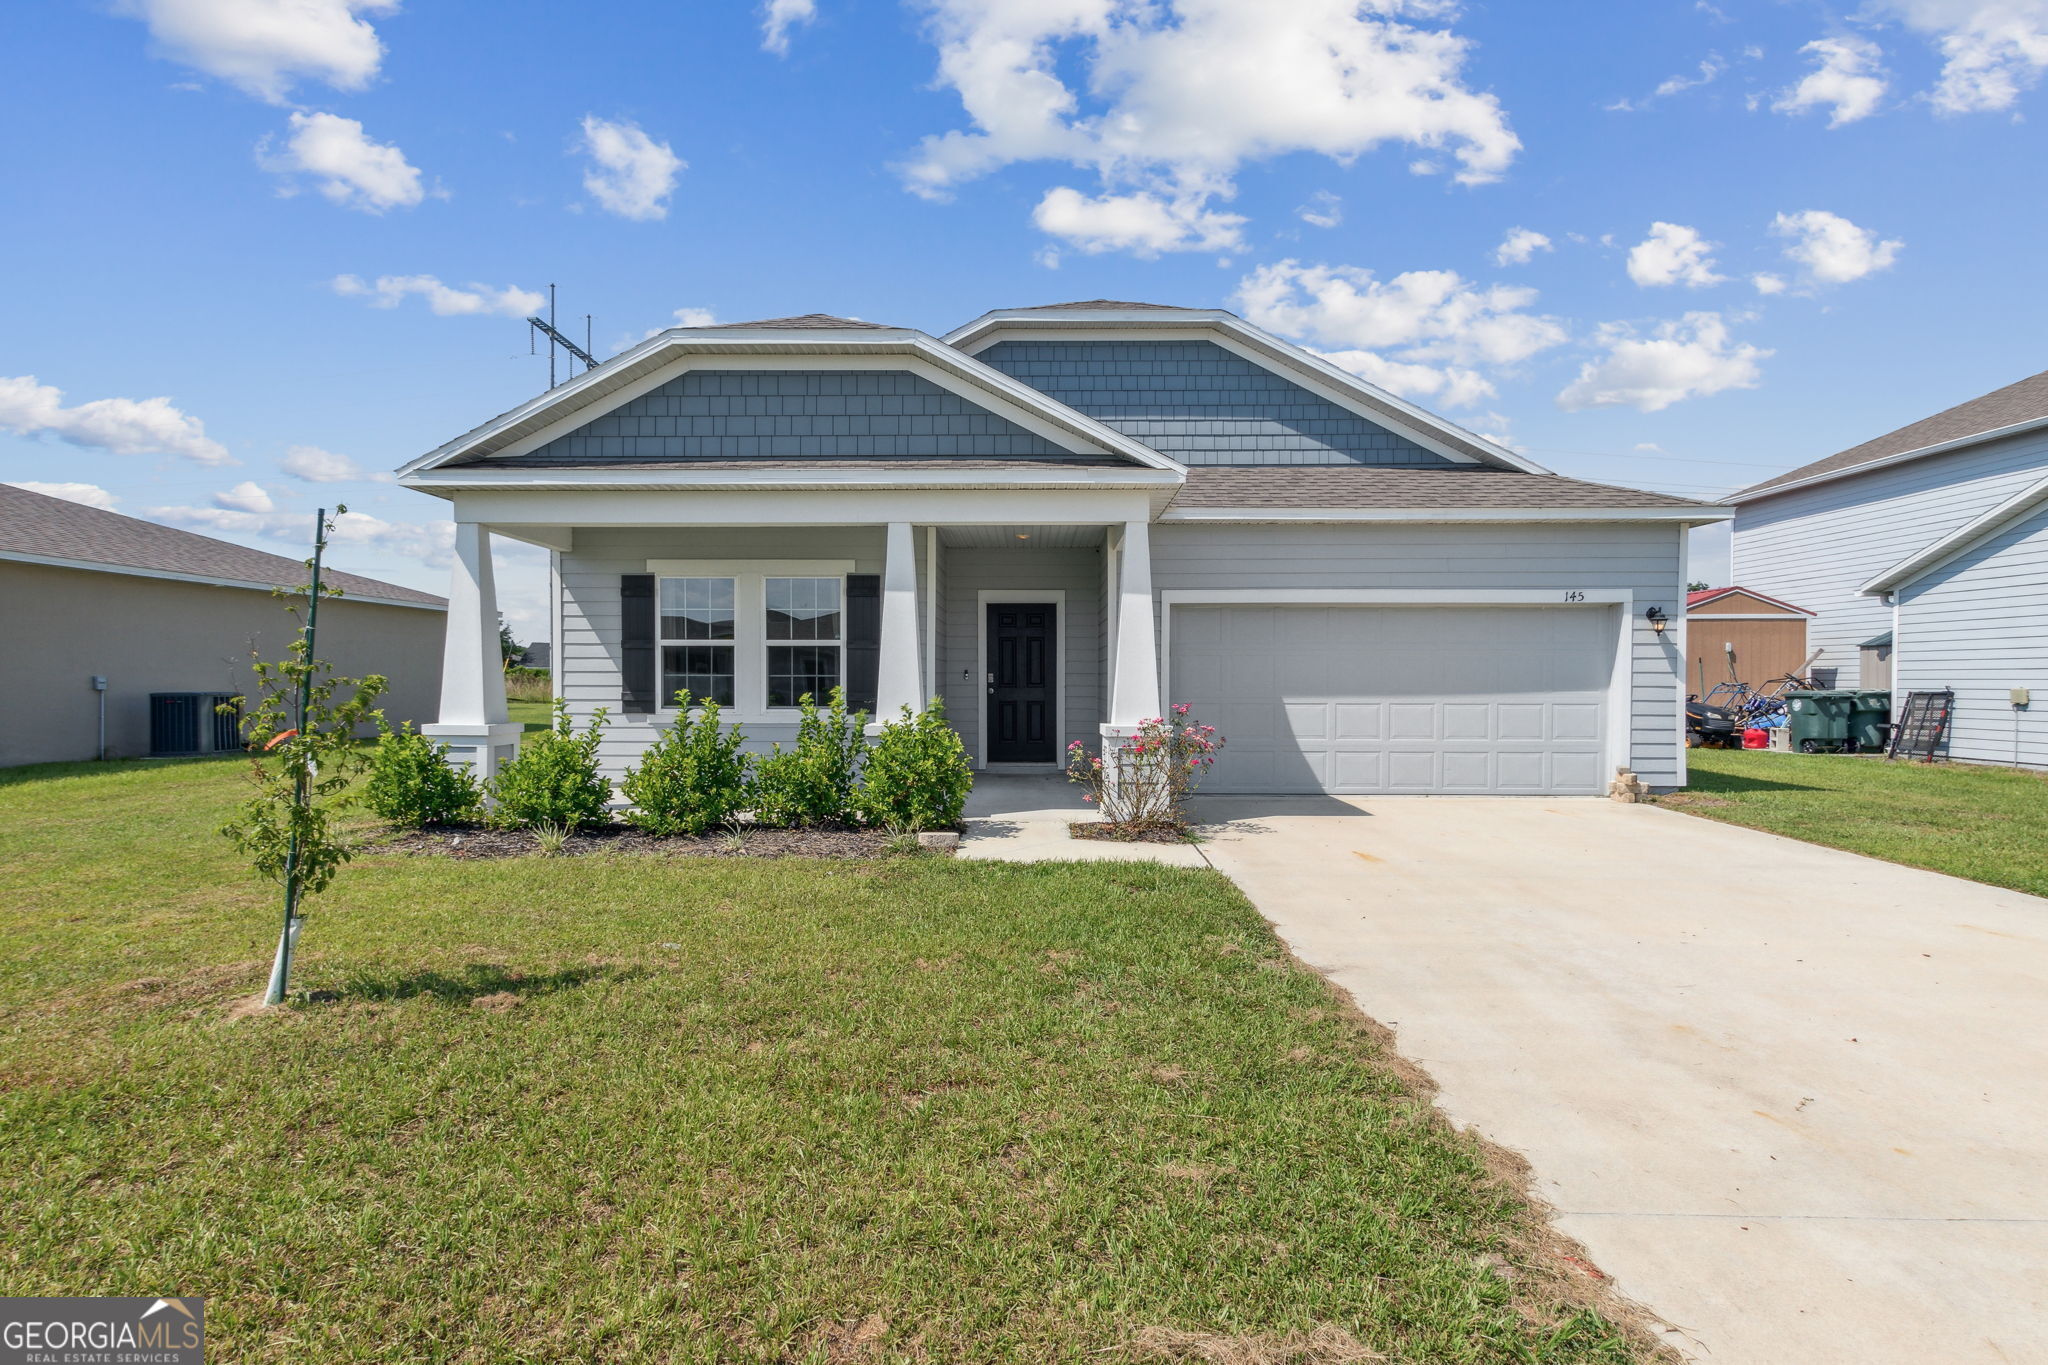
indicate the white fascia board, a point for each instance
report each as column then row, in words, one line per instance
column 1942, row 448
column 504, row 510
column 1690, row 516
column 1318, row 375
column 446, row 482
column 1927, row 560
column 207, row 580
column 660, row 358
column 1396, row 597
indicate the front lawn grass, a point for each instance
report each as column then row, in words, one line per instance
column 1987, row 824
column 630, row 1109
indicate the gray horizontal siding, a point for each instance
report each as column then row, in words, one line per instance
column 798, row 414
column 1979, row 624
column 1076, row 571
column 588, row 655
column 1645, row 559
column 1815, row 547
column 1202, row 404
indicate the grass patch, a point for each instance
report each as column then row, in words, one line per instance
column 1987, row 824
column 633, row 1109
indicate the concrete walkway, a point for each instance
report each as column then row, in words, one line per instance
column 1793, row 1100
column 1023, row 817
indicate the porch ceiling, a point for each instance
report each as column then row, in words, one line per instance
column 1019, row 537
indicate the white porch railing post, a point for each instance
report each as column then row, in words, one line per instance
column 1134, row 683
column 474, row 722
column 896, row 683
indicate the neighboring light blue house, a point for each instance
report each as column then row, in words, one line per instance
column 1924, row 556
column 1057, row 520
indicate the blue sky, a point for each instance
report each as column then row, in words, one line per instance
column 267, row 248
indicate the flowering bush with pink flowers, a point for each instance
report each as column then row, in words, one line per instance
column 1143, row 781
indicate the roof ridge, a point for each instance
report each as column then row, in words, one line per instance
column 797, row 322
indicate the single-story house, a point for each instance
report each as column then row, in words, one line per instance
column 1924, row 557
column 89, row 596
column 1058, row 520
column 1740, row 635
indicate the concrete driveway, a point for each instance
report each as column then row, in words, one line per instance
column 1793, row 1100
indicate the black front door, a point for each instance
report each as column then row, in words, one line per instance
column 1022, row 701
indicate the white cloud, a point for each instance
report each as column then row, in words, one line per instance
column 121, row 426
column 1767, row 283
column 1169, row 99
column 1323, row 210
column 1992, row 50
column 1710, row 69
column 311, row 464
column 1831, row 249
column 351, row 169
column 1143, row 224
column 631, row 174
column 1847, row 79
column 85, row 494
column 442, row 299
column 1673, row 254
column 1425, row 333
column 1690, row 357
column 429, row 542
column 265, row 46
column 778, row 17
column 246, row 496
column 1519, row 246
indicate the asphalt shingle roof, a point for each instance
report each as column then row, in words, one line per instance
column 2025, row 401
column 1334, row 486
column 1103, row 304
column 924, row 462
column 803, row 322
column 51, row 528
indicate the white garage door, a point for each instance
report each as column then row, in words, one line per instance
column 1508, row 700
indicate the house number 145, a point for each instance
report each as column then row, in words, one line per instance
column 1575, row 596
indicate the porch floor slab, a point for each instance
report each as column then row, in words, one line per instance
column 1023, row 818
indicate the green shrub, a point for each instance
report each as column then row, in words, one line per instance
column 813, row 784
column 412, row 784
column 917, row 775
column 694, row 778
column 554, row 781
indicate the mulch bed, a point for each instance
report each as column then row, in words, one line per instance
column 825, row 842
column 1129, row 834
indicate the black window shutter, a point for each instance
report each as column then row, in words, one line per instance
column 863, row 640
column 636, row 645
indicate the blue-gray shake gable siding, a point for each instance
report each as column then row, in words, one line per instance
column 798, row 414
column 1202, row 404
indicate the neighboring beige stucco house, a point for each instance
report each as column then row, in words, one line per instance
column 87, row 593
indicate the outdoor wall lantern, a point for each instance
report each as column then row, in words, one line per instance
column 1657, row 619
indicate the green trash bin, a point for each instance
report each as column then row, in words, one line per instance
column 1870, row 722
column 1821, row 722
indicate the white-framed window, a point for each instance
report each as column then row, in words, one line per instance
column 806, row 625
column 699, row 618
column 756, row 636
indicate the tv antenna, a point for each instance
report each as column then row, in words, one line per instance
column 546, row 327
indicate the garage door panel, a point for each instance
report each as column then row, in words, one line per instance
column 1575, row 721
column 1360, row 720
column 1399, row 699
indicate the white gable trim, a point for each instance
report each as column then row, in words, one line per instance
column 661, row 358
column 1239, row 337
column 1689, row 516
column 1958, row 541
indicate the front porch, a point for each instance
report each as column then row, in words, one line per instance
column 1018, row 627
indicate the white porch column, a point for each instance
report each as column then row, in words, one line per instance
column 896, row 684
column 1134, row 680
column 474, row 723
